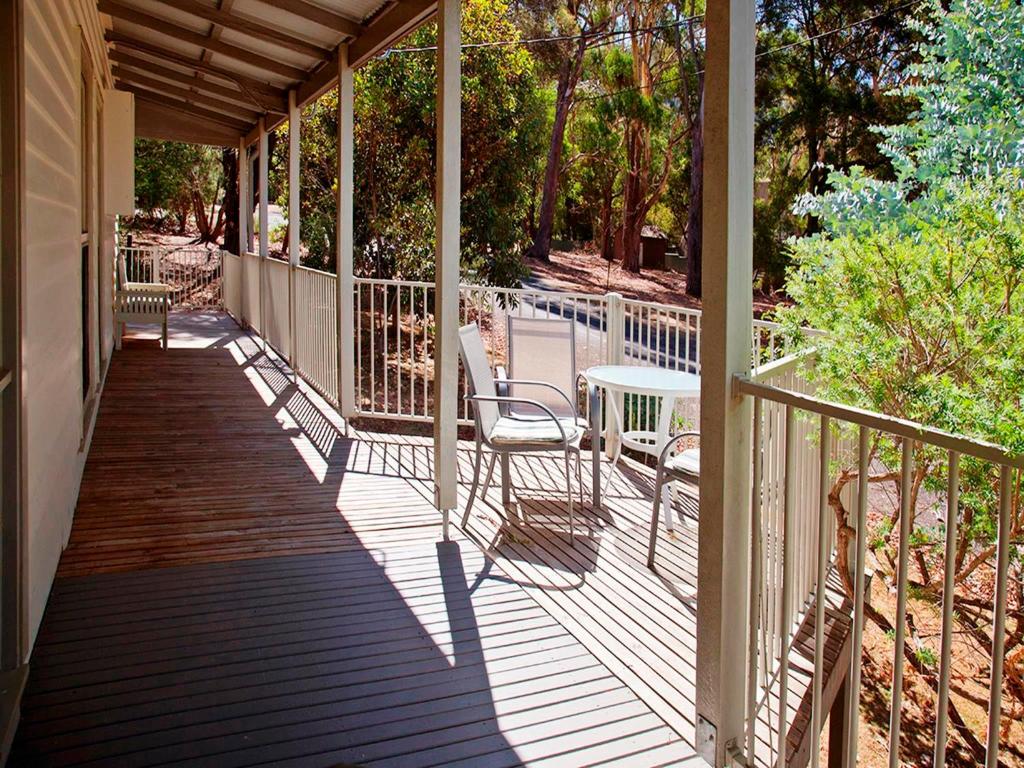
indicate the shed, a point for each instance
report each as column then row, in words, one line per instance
column 653, row 245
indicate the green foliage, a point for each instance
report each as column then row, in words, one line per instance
column 969, row 86
column 917, row 281
column 926, row 656
column 167, row 172
column 395, row 128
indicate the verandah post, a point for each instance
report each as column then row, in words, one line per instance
column 723, row 560
column 264, row 169
column 244, row 224
column 448, row 191
column 294, row 134
column 344, row 261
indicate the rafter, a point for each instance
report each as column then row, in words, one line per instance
column 318, row 15
column 244, row 82
column 234, row 110
column 182, row 79
column 183, row 106
column 170, row 29
column 230, row 20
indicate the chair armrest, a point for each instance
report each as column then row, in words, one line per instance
column 532, row 383
column 521, row 401
column 671, row 443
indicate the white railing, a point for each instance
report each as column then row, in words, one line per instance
column 193, row 273
column 394, row 320
column 316, row 330
column 800, row 443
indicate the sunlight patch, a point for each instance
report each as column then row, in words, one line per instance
column 262, row 388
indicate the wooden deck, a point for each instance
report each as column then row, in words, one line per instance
column 244, row 585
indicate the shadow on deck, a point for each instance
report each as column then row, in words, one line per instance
column 245, row 586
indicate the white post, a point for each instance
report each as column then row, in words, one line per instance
column 294, row 133
column 345, row 223
column 264, row 218
column 449, row 163
column 244, row 225
column 243, row 199
column 725, row 479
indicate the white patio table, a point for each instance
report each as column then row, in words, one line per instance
column 668, row 385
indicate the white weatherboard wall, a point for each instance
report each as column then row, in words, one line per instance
column 53, row 414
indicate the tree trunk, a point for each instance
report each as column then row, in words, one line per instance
column 634, row 194
column 568, row 77
column 695, row 215
column 229, row 208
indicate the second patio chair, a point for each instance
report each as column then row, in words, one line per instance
column 507, row 424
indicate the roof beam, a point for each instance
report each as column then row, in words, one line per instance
column 390, row 27
column 229, row 20
column 182, row 79
column 318, row 15
column 244, row 82
column 234, row 110
column 153, row 121
column 185, row 107
column 170, row 29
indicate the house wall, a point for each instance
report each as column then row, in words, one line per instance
column 62, row 39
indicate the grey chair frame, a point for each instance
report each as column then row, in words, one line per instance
column 666, row 474
column 569, row 446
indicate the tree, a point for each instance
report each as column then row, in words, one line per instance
column 176, row 178
column 651, row 127
column 918, row 282
column 587, row 23
column 395, row 133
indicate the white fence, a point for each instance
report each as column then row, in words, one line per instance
column 793, row 535
column 393, row 333
column 195, row 274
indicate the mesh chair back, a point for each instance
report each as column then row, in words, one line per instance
column 543, row 349
column 479, row 375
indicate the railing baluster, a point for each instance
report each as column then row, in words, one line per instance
column 853, row 708
column 824, row 547
column 995, row 692
column 906, row 470
column 945, row 658
column 754, row 613
column 785, row 620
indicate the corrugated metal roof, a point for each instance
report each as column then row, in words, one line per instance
column 219, row 65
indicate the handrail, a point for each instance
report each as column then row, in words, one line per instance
column 911, row 430
column 782, row 365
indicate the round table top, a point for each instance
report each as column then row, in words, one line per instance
column 637, row 379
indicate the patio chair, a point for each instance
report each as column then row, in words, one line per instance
column 675, row 463
column 139, row 303
column 526, row 425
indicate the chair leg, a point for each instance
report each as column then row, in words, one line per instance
column 165, row 334
column 568, row 488
column 487, row 479
column 506, row 481
column 476, row 482
column 659, row 481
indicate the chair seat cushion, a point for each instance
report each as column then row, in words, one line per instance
column 685, row 462
column 535, row 431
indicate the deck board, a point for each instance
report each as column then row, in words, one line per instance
column 243, row 585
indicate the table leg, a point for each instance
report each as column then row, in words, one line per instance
column 664, row 429
column 594, row 399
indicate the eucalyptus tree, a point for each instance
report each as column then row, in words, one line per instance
column 568, row 30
